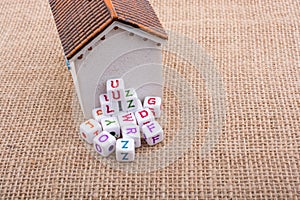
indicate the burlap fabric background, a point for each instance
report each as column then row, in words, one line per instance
column 254, row 47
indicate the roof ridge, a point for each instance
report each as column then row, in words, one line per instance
column 111, row 9
column 79, row 22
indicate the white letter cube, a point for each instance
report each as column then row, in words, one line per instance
column 144, row 116
column 133, row 132
column 90, row 129
column 103, row 98
column 153, row 133
column 111, row 125
column 131, row 104
column 110, row 108
column 97, row 114
column 125, row 151
column 154, row 104
column 126, row 119
column 104, row 143
column 115, row 89
column 130, row 93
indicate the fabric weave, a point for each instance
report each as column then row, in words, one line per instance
column 249, row 64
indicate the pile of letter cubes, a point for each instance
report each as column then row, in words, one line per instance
column 119, row 123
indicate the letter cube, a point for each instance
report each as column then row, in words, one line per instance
column 133, row 132
column 110, row 108
column 111, row 125
column 126, row 119
column 90, row 129
column 97, row 114
column 104, row 143
column 131, row 104
column 115, row 89
column 103, row 98
column 144, row 116
column 125, row 151
column 130, row 93
column 154, row 104
column 153, row 133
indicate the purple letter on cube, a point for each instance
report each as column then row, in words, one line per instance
column 98, row 148
column 151, row 127
column 155, row 138
column 103, row 138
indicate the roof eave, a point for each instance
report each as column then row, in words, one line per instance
column 144, row 28
column 89, row 38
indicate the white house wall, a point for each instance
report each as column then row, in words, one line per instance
column 136, row 59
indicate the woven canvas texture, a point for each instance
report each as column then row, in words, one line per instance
column 232, row 88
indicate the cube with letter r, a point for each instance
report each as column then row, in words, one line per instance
column 132, row 131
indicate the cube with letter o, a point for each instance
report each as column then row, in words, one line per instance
column 104, row 143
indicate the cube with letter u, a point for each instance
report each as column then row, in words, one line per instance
column 115, row 89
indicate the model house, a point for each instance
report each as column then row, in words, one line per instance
column 105, row 39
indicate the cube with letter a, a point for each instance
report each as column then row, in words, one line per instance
column 115, row 89
column 90, row 129
column 154, row 104
column 153, row 133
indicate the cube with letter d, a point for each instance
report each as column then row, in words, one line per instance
column 144, row 116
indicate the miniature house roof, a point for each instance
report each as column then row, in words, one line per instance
column 79, row 21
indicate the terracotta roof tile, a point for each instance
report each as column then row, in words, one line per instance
column 80, row 21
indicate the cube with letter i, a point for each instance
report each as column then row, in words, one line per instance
column 125, row 151
column 111, row 125
column 132, row 131
column 90, row 129
column 104, row 143
column 144, row 116
column 153, row 133
column 154, row 104
column 97, row 114
column 127, row 119
column 108, row 107
column 115, row 89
